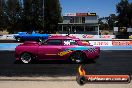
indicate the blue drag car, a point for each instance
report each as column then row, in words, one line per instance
column 24, row 36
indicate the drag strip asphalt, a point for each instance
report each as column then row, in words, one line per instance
column 8, row 41
column 110, row 62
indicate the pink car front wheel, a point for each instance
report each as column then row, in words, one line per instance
column 77, row 57
column 26, row 58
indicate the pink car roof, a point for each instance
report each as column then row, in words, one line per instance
column 63, row 37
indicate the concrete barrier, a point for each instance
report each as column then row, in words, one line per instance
column 12, row 46
column 7, row 37
column 88, row 37
column 80, row 36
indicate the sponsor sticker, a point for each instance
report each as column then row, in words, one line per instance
column 105, row 36
column 87, row 36
column 64, row 52
column 121, row 43
column 101, row 43
column 82, row 78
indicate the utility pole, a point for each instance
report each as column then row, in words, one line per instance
column 1, row 6
column 1, row 11
column 43, row 14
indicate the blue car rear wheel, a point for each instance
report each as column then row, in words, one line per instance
column 40, row 40
column 18, row 39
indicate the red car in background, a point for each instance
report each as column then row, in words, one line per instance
column 56, row 48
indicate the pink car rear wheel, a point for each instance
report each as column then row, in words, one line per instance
column 77, row 57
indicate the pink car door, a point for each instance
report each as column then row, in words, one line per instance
column 50, row 50
column 67, row 45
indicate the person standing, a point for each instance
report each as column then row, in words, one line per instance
column 68, row 31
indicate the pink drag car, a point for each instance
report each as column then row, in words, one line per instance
column 56, row 48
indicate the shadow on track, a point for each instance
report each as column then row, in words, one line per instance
column 56, row 62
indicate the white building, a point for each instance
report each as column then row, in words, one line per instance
column 79, row 23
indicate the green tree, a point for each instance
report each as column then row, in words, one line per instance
column 122, row 9
column 130, row 15
column 3, row 15
column 107, row 23
column 52, row 15
column 112, row 21
column 27, row 15
column 103, row 26
column 33, row 17
column 37, row 6
column 13, row 11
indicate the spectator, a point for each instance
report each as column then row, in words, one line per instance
column 75, row 31
column 68, row 31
